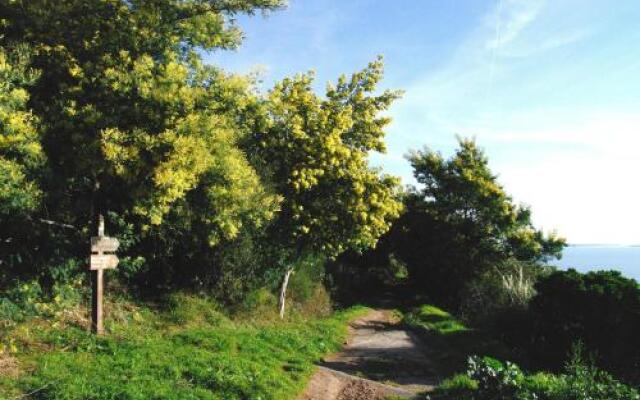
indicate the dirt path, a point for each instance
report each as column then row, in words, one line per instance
column 381, row 359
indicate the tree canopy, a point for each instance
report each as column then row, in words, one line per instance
column 316, row 152
column 21, row 153
column 107, row 107
column 187, row 159
column 463, row 191
column 461, row 222
column 131, row 118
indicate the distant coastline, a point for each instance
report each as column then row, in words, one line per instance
column 601, row 245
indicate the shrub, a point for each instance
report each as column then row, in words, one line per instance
column 459, row 387
column 318, row 305
column 496, row 381
column 506, row 288
column 584, row 382
column 490, row 379
column 309, row 272
column 238, row 269
column 600, row 309
column 260, row 302
column 184, row 309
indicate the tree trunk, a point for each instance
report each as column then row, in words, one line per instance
column 283, row 291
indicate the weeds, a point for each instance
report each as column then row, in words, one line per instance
column 450, row 340
column 191, row 349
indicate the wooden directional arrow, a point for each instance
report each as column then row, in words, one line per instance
column 104, row 244
column 104, row 261
column 101, row 249
column 102, row 257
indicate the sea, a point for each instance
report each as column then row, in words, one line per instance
column 585, row 258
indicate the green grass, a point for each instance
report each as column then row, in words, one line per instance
column 450, row 341
column 189, row 351
column 490, row 379
column 435, row 320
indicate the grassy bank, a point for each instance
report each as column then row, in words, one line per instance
column 451, row 342
column 188, row 350
column 468, row 360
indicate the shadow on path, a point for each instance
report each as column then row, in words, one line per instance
column 380, row 359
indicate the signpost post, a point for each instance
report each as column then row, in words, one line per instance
column 102, row 257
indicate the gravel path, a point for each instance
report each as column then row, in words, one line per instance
column 381, row 359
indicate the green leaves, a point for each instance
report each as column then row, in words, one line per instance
column 17, row 193
column 131, row 121
column 134, row 123
column 21, row 154
column 464, row 193
column 315, row 150
column 461, row 222
column 141, row 120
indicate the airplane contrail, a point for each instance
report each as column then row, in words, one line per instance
column 496, row 44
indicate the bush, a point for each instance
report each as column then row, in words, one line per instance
column 506, row 288
column 459, row 387
column 318, row 305
column 496, row 381
column 583, row 382
column 309, row 272
column 498, row 302
column 486, row 379
column 29, row 299
column 490, row 379
column 600, row 309
column 260, row 302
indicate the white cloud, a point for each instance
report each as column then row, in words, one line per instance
column 580, row 176
column 587, row 199
column 555, row 127
column 510, row 18
column 536, row 45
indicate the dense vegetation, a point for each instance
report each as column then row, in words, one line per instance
column 187, row 349
column 220, row 190
column 211, row 186
column 470, row 377
column 600, row 309
column 461, row 224
column 461, row 243
column 207, row 183
column 490, row 379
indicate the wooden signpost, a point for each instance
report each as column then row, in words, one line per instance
column 102, row 257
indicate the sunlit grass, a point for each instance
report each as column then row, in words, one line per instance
column 435, row 319
column 191, row 350
column 450, row 341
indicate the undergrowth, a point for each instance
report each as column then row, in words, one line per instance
column 454, row 349
column 489, row 379
column 450, row 341
column 187, row 349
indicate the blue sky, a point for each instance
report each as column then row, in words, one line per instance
column 550, row 90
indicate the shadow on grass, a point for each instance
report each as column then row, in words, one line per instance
column 449, row 342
